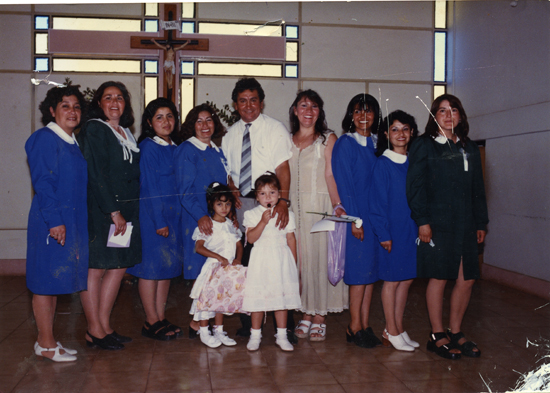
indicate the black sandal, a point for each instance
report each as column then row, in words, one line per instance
column 444, row 350
column 467, row 348
column 172, row 328
column 157, row 331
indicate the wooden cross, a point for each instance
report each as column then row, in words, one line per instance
column 170, row 46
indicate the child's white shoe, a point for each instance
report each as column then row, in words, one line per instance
column 283, row 343
column 254, row 340
column 209, row 340
column 222, row 337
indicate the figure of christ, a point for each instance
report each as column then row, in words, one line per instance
column 169, row 65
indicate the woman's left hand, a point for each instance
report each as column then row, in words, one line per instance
column 281, row 209
column 481, row 236
column 358, row 233
column 164, row 232
column 120, row 224
column 386, row 245
column 339, row 212
column 58, row 233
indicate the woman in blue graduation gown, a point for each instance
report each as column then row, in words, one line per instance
column 391, row 219
column 57, row 236
column 198, row 162
column 446, row 195
column 113, row 199
column 159, row 217
column 352, row 163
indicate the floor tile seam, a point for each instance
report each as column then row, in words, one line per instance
column 209, row 369
column 14, row 330
column 412, row 380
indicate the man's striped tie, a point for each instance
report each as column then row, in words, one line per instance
column 245, row 178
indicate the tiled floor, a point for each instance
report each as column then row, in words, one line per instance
column 499, row 319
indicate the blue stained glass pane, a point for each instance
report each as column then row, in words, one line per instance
column 188, row 27
column 188, row 68
column 291, row 71
column 151, row 66
column 41, row 64
column 41, row 22
column 439, row 56
column 151, row 25
column 291, row 32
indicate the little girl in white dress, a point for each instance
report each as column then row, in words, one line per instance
column 272, row 278
column 223, row 247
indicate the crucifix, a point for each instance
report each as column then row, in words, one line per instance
column 170, row 46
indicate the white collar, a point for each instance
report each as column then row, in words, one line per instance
column 161, row 141
column 128, row 144
column 442, row 139
column 361, row 139
column 395, row 157
column 62, row 134
column 256, row 122
column 201, row 145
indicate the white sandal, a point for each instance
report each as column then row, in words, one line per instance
column 300, row 327
column 318, row 328
column 57, row 357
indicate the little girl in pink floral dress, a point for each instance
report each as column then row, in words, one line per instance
column 219, row 286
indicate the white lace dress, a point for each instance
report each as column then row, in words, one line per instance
column 272, row 278
column 223, row 241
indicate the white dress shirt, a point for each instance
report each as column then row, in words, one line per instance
column 270, row 143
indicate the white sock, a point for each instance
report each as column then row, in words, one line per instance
column 281, row 332
column 255, row 332
column 218, row 328
column 204, row 330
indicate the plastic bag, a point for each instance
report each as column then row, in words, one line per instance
column 336, row 252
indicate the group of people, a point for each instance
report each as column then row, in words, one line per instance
column 236, row 219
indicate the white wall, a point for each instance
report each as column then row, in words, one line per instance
column 381, row 48
column 501, row 73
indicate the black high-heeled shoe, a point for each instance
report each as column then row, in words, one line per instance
column 107, row 342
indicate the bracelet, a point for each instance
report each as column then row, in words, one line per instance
column 338, row 204
column 286, row 200
column 114, row 214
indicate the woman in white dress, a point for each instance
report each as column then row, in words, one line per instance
column 313, row 189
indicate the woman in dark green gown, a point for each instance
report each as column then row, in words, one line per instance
column 446, row 195
column 113, row 199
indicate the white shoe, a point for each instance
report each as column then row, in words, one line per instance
column 57, row 357
column 408, row 340
column 254, row 342
column 222, row 336
column 68, row 350
column 209, row 340
column 398, row 342
column 283, row 343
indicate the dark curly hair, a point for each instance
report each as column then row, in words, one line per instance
column 219, row 192
column 365, row 101
column 402, row 117
column 321, row 127
column 127, row 118
column 54, row 96
column 147, row 130
column 461, row 130
column 247, row 84
column 187, row 129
